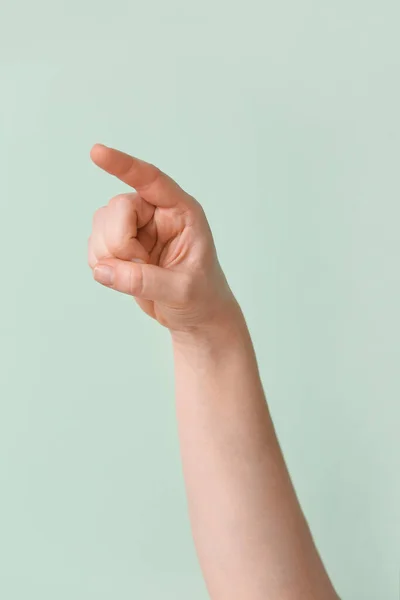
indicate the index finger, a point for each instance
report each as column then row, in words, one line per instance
column 153, row 185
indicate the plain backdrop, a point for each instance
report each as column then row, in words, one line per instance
column 282, row 118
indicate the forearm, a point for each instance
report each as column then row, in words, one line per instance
column 251, row 536
column 156, row 245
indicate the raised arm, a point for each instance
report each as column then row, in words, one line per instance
column 251, row 536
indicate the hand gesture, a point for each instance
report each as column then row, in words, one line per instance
column 156, row 245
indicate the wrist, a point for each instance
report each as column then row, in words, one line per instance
column 225, row 327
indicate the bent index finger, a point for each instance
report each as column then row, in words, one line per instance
column 152, row 184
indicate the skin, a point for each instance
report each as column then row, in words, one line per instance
column 251, row 536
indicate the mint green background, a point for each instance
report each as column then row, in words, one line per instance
column 283, row 119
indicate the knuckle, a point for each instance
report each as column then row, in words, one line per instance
column 157, row 175
column 91, row 257
column 98, row 216
column 123, row 201
column 136, row 281
column 119, row 201
column 115, row 245
column 119, row 245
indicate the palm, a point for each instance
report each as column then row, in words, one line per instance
column 168, row 238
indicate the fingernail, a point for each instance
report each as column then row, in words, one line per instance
column 104, row 274
column 138, row 260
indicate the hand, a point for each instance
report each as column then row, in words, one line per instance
column 156, row 245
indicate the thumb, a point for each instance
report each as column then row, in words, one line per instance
column 142, row 280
